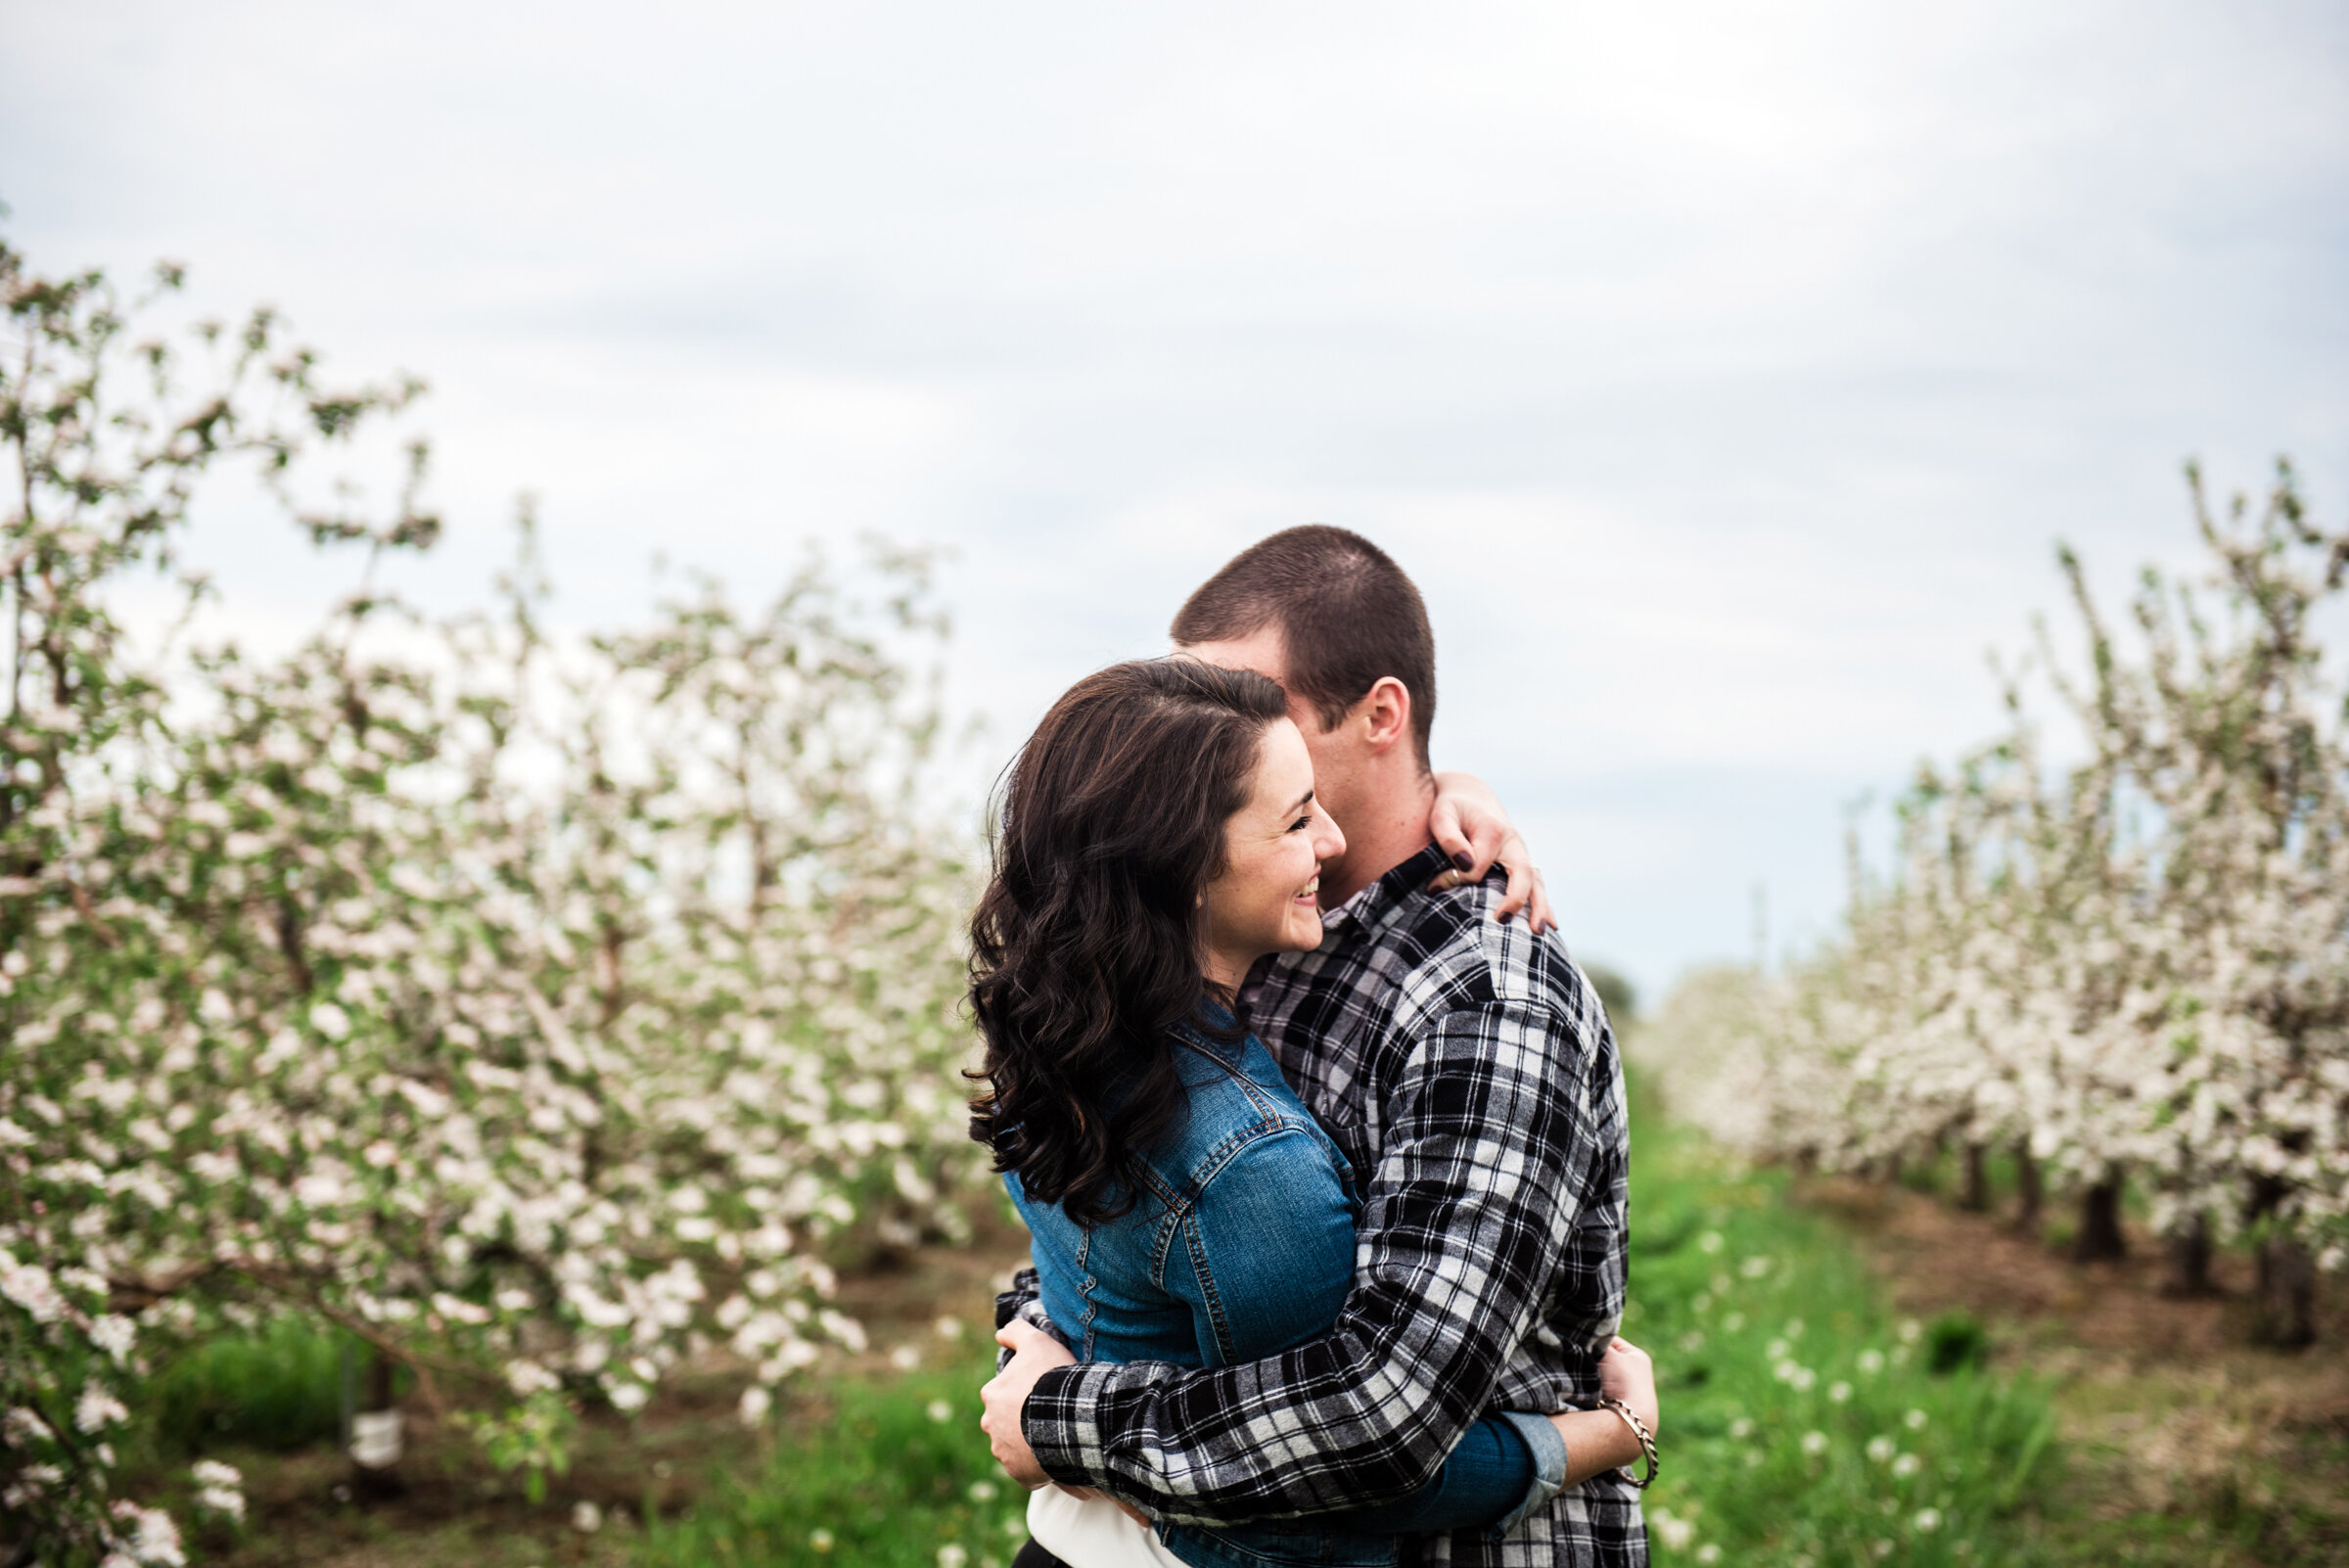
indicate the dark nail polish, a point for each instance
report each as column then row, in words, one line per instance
column 1461, row 860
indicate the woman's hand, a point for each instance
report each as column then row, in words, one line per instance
column 1034, row 1353
column 1625, row 1373
column 1600, row 1440
column 1468, row 824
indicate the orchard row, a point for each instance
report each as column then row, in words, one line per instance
column 2129, row 969
column 533, row 1008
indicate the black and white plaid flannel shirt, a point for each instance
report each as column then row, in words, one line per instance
column 1467, row 1068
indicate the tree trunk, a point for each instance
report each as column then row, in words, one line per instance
column 2186, row 1260
column 2283, row 1307
column 2030, row 1200
column 376, row 1444
column 2285, row 1311
column 2100, row 1239
column 1974, row 1196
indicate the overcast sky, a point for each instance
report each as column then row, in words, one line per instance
column 1724, row 373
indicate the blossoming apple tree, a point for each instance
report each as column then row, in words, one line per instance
column 527, row 1006
column 2133, row 968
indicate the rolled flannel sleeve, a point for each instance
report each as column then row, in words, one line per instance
column 1023, row 1303
column 1489, row 1143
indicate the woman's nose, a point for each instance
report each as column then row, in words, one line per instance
column 1328, row 842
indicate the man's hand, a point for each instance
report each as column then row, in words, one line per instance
column 1468, row 824
column 1034, row 1353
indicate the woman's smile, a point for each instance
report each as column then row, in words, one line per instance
column 1281, row 839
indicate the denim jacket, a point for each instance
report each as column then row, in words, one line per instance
column 1241, row 1246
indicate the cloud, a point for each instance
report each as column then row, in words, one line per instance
column 1727, row 373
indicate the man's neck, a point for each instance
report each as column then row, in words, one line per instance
column 1388, row 829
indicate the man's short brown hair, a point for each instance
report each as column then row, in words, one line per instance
column 1347, row 613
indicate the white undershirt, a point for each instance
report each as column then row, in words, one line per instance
column 1093, row 1533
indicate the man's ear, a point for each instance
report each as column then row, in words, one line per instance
column 1385, row 712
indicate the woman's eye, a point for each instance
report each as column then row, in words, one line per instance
column 1301, row 824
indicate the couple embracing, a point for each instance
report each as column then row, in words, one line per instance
column 1319, row 1132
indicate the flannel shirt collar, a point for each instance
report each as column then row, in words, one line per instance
column 1374, row 902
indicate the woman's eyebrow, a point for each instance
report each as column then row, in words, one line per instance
column 1302, row 801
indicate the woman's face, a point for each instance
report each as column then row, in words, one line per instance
column 1268, row 897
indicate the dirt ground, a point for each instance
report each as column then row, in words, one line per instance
column 456, row 1509
column 2175, row 1421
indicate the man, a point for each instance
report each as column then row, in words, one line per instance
column 1464, row 1066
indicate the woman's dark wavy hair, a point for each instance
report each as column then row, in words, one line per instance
column 1087, row 946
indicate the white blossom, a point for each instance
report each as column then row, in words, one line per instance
column 31, row 1287
column 526, row 1378
column 97, row 1409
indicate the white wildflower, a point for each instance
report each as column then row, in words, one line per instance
column 1675, row 1532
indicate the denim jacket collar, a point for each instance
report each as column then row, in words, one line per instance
column 1225, row 1053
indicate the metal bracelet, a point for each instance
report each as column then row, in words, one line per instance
column 1647, row 1442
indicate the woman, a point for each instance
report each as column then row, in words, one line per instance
column 1159, row 836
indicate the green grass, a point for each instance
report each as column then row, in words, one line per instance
column 1758, row 1313
column 1732, row 1287
column 278, row 1387
column 1806, row 1424
column 890, row 1474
